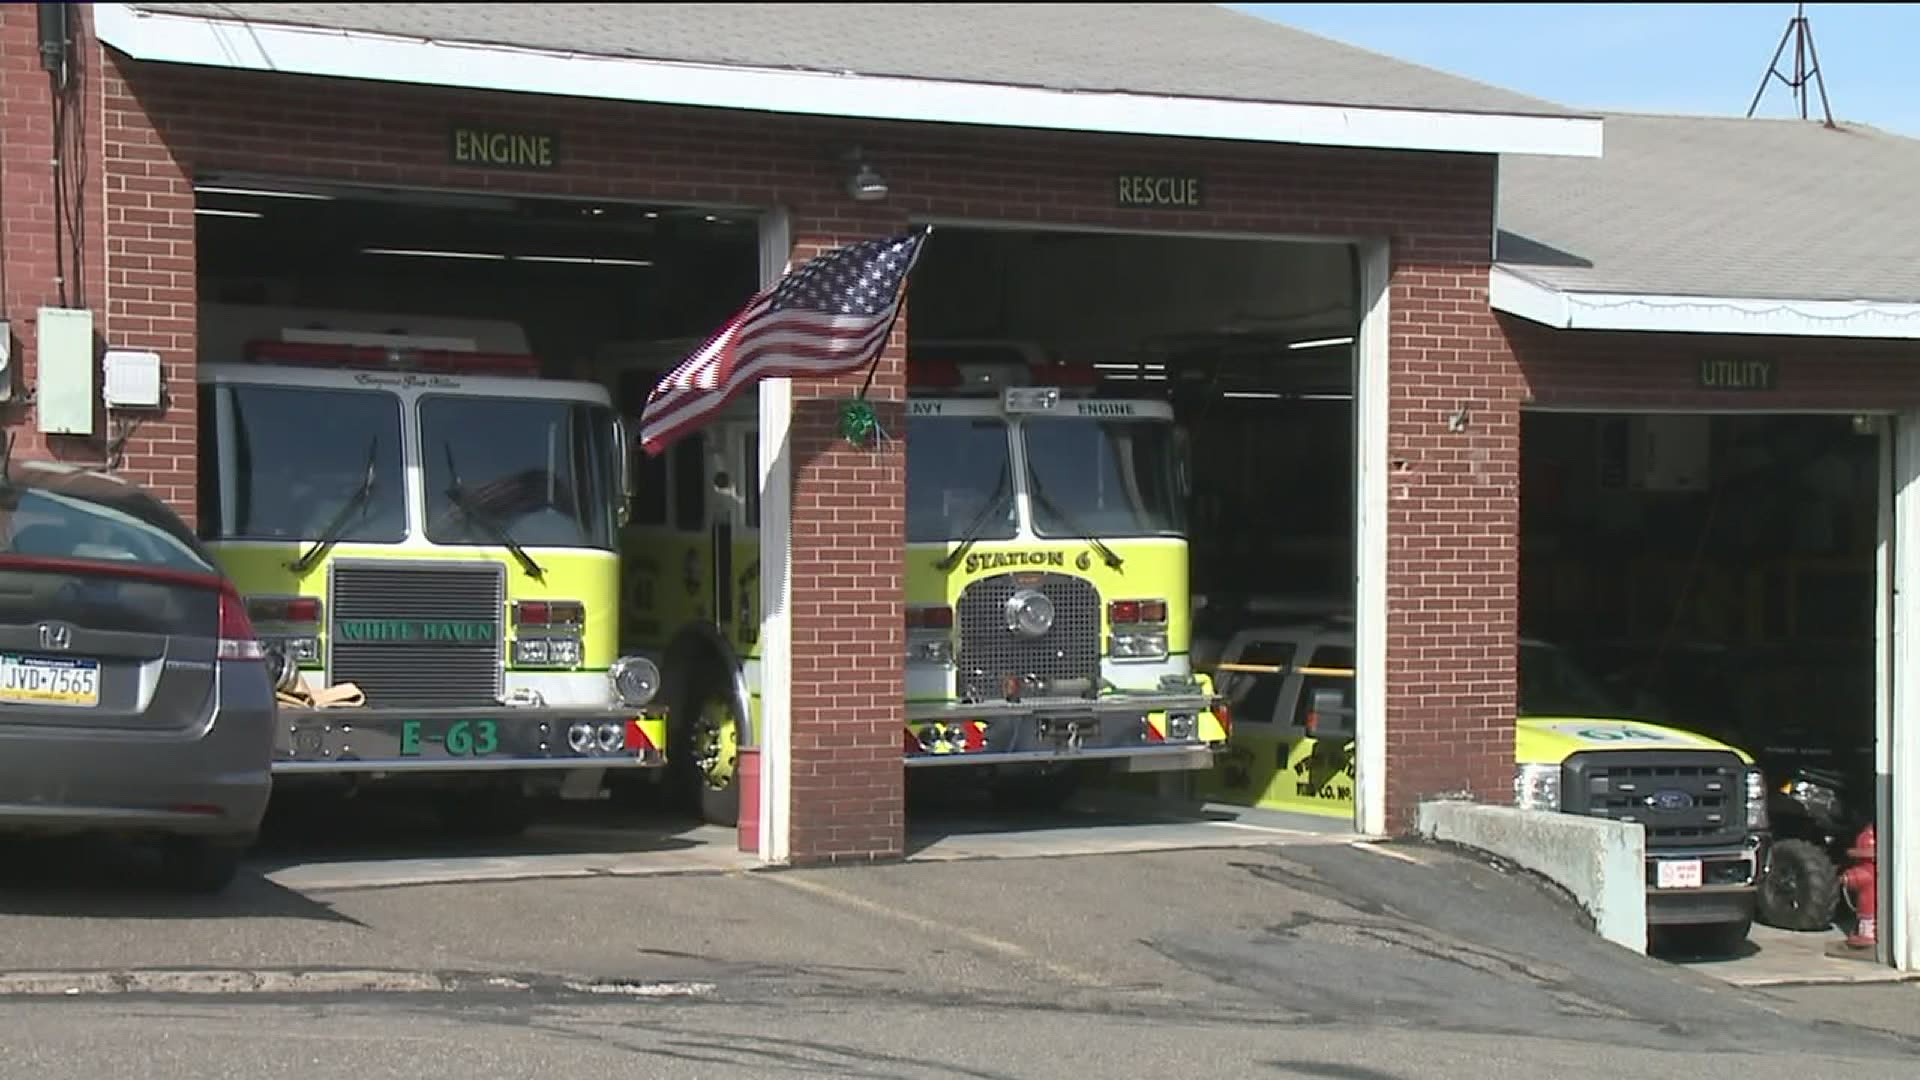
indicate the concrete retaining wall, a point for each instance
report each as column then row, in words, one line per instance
column 1602, row 863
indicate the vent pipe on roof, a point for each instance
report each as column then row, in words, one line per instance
column 1806, row 66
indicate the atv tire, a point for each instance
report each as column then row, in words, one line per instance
column 1799, row 889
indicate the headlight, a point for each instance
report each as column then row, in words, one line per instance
column 1138, row 646
column 1756, row 800
column 635, row 680
column 930, row 651
column 1537, row 787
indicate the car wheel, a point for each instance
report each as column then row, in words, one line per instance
column 199, row 864
column 1800, row 889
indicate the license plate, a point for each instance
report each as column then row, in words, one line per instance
column 37, row 680
column 1679, row 874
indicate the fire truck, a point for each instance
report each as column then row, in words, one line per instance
column 1046, row 616
column 426, row 532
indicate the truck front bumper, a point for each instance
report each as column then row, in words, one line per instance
column 376, row 740
column 1145, row 732
column 1725, row 894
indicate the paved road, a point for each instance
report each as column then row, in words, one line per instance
column 1308, row 959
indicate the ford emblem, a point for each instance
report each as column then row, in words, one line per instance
column 1670, row 801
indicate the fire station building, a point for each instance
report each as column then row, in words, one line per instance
column 1485, row 369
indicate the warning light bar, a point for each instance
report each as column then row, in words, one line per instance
column 391, row 359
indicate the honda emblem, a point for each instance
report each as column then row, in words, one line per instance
column 56, row 636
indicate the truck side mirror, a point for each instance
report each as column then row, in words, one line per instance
column 1329, row 714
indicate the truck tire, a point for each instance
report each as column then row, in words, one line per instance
column 1799, row 889
column 704, row 752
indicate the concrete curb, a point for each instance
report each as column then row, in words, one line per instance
column 1601, row 863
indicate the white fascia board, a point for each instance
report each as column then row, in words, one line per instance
column 1678, row 314
column 252, row 46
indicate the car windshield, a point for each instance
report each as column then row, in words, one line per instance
column 957, row 467
column 292, row 460
column 541, row 472
column 1103, row 478
column 1551, row 684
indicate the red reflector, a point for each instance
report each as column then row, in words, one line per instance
column 1124, row 611
column 303, row 609
column 1153, row 611
column 637, row 737
column 532, row 613
column 1225, row 715
column 976, row 735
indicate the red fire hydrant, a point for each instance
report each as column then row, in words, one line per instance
column 1862, row 879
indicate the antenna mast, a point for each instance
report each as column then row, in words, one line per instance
column 1800, row 33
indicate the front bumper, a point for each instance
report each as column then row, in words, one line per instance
column 1726, row 893
column 1145, row 731
column 488, row 739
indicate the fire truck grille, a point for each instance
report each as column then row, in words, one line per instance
column 419, row 635
column 1063, row 662
column 1681, row 799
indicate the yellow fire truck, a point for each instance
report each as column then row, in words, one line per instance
column 1046, row 580
column 426, row 534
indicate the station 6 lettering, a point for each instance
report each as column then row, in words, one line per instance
column 999, row 560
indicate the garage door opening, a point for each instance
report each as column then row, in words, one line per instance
column 422, row 494
column 1201, row 460
column 1718, row 575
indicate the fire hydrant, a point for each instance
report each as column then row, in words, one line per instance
column 1862, row 879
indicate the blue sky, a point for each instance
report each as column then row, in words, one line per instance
column 1681, row 58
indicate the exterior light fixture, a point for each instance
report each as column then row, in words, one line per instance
column 865, row 184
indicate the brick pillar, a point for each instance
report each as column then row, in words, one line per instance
column 849, row 648
column 134, row 220
column 1453, row 540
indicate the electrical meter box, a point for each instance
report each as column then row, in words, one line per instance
column 63, row 387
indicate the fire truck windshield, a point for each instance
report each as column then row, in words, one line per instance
column 541, row 471
column 293, row 464
column 1107, row 478
column 958, row 482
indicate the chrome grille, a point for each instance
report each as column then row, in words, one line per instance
column 418, row 673
column 989, row 653
column 1629, row 787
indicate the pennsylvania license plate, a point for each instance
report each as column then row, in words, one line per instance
column 1679, row 874
column 38, row 680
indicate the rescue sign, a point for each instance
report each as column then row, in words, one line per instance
column 1153, row 191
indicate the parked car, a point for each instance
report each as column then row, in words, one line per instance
column 1702, row 802
column 133, row 695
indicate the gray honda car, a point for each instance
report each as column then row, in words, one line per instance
column 133, row 696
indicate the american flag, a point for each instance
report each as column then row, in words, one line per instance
column 829, row 317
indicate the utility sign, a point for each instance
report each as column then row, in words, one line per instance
column 1719, row 373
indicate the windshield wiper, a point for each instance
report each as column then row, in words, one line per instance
column 1002, row 491
column 330, row 535
column 1034, row 490
column 458, row 497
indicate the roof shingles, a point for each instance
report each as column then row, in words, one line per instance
column 1177, row 50
column 1722, row 207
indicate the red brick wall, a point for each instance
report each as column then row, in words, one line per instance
column 1451, row 593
